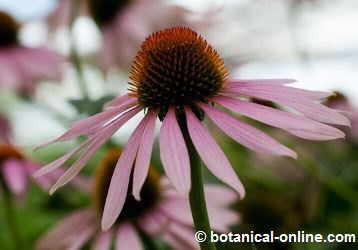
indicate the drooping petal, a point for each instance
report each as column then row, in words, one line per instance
column 295, row 124
column 219, row 196
column 222, row 218
column 144, row 155
column 118, row 188
column 245, row 134
column 91, row 124
column 95, row 143
column 185, row 234
column 81, row 238
column 103, row 241
column 127, row 238
column 65, row 232
column 176, row 242
column 262, row 81
column 60, row 161
column 15, row 175
column 274, row 88
column 174, row 154
column 154, row 222
column 297, row 99
column 211, row 154
column 120, row 100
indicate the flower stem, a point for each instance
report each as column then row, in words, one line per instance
column 75, row 58
column 197, row 197
column 10, row 216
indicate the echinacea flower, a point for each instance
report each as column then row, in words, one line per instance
column 21, row 67
column 178, row 77
column 161, row 212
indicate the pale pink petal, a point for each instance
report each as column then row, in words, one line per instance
column 103, row 241
column 298, row 101
column 177, row 210
column 262, row 81
column 118, row 188
column 60, row 161
column 273, row 87
column 176, row 242
column 62, row 236
column 127, row 238
column 94, row 123
column 154, row 222
column 295, row 124
column 211, row 154
column 245, row 134
column 120, row 100
column 144, row 155
column 186, row 234
column 219, row 196
column 81, row 238
column 15, row 175
column 222, row 218
column 174, row 154
column 92, row 147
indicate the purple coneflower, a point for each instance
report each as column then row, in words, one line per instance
column 161, row 212
column 21, row 67
column 179, row 78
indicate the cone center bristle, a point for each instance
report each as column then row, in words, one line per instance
column 176, row 67
column 104, row 12
column 132, row 209
column 8, row 30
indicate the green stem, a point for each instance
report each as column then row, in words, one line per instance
column 10, row 216
column 75, row 58
column 197, row 197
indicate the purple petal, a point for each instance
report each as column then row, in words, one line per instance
column 63, row 235
column 222, row 218
column 274, row 88
column 15, row 175
column 127, row 238
column 245, row 134
column 153, row 222
column 211, row 154
column 184, row 234
column 118, row 188
column 144, row 155
column 263, row 81
column 174, row 154
column 297, row 99
column 94, row 144
column 219, row 196
column 103, row 241
column 93, row 123
column 120, row 100
column 295, row 124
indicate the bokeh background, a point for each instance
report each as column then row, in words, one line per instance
column 313, row 41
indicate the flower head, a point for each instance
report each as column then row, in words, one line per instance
column 178, row 77
column 21, row 67
column 161, row 212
